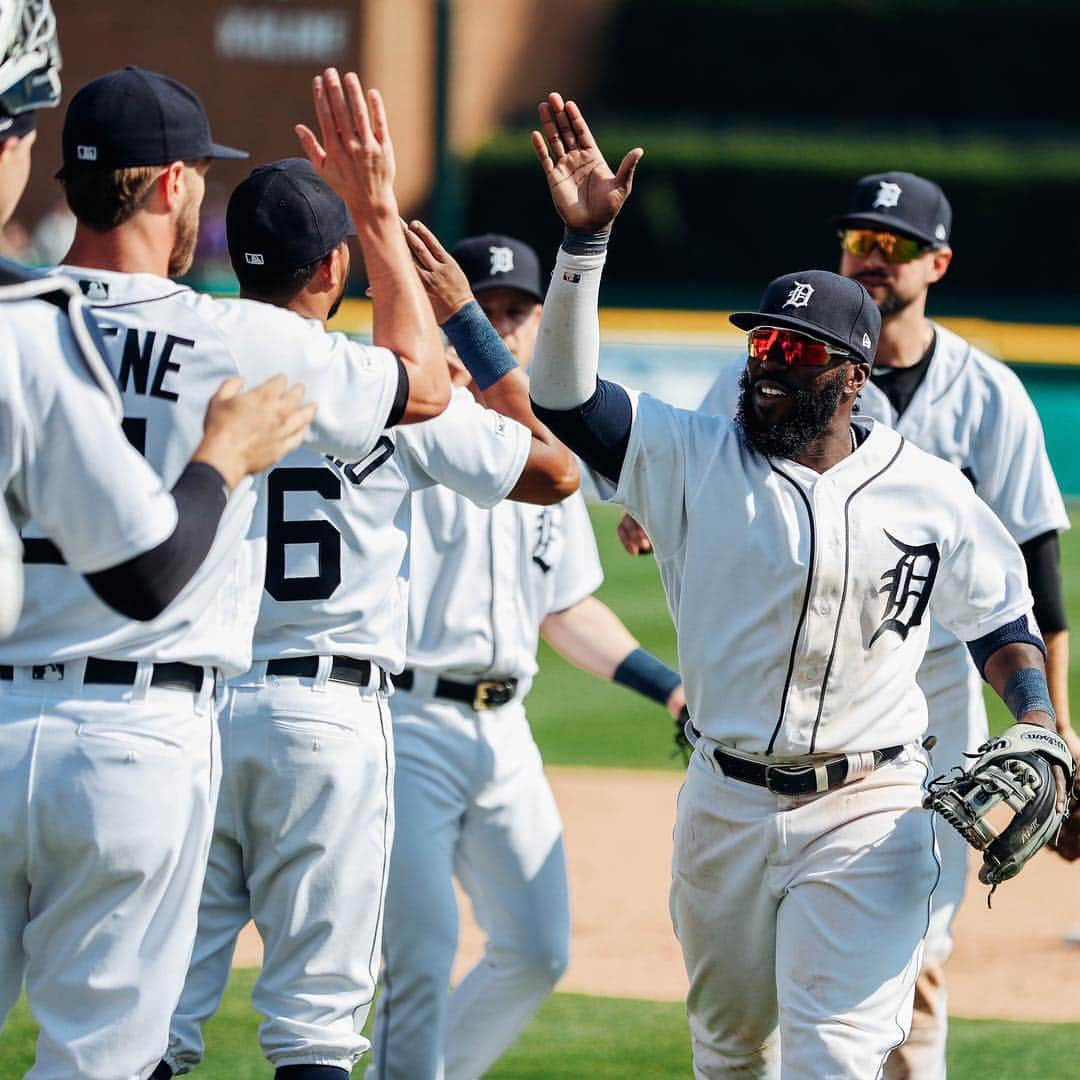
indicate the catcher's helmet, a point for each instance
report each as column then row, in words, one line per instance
column 29, row 57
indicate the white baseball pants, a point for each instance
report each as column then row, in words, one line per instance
column 106, row 805
column 957, row 717
column 801, row 920
column 300, row 845
column 473, row 801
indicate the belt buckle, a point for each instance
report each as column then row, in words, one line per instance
column 794, row 774
column 481, row 701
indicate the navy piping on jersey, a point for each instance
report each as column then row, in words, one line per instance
column 388, row 796
column 142, row 300
column 806, row 604
column 843, row 592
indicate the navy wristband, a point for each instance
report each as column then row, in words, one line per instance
column 641, row 671
column 577, row 242
column 478, row 344
column 1027, row 691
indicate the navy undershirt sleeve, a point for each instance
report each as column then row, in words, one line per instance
column 598, row 430
column 1018, row 630
column 1043, row 557
column 401, row 398
column 143, row 587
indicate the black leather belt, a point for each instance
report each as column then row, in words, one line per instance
column 482, row 695
column 172, row 676
column 796, row 778
column 343, row 669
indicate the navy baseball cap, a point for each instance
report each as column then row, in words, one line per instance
column 831, row 308
column 493, row 259
column 282, row 217
column 134, row 117
column 899, row 202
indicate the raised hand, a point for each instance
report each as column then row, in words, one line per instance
column 354, row 155
column 444, row 281
column 586, row 194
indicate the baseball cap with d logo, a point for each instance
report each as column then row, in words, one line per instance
column 134, row 117
column 493, row 259
column 824, row 305
column 899, row 202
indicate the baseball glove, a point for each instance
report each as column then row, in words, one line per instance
column 1015, row 769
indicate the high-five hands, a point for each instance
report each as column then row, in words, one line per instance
column 587, row 194
column 354, row 154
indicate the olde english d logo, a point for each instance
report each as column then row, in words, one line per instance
column 907, row 587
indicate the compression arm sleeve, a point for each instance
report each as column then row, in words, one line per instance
column 141, row 588
column 567, row 358
column 1043, row 557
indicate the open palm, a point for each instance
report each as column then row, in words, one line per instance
column 586, row 193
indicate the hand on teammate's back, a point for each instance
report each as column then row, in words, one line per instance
column 443, row 279
column 244, row 433
column 586, row 193
column 354, row 155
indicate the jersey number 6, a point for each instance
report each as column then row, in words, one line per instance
column 281, row 532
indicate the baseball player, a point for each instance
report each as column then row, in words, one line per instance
column 955, row 402
column 57, row 398
column 121, row 844
column 470, row 793
column 302, row 837
column 802, row 551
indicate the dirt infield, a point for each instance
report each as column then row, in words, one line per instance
column 618, row 838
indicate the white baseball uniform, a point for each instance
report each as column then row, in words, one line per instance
column 124, row 787
column 973, row 411
column 802, row 606
column 471, row 796
column 305, row 819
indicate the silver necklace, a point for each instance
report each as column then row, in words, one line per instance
column 854, row 444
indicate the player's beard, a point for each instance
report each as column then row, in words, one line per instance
column 187, row 236
column 813, row 412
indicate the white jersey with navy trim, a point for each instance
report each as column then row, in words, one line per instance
column 338, row 565
column 482, row 581
column 64, row 461
column 801, row 600
column 974, row 412
column 170, row 348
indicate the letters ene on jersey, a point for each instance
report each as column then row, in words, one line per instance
column 337, row 532
column 970, row 410
column 483, row 580
column 169, row 349
column 64, row 461
column 802, row 601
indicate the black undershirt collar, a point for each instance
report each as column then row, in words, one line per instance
column 899, row 384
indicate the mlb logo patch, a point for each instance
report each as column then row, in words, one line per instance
column 574, row 279
column 86, row 153
column 94, row 290
column 253, row 258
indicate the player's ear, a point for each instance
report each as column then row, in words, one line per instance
column 856, row 378
column 942, row 256
column 172, row 184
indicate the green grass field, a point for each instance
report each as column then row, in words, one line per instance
column 580, row 721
